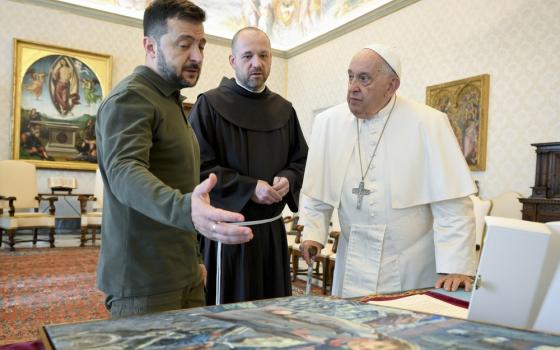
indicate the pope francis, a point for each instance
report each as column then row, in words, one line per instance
column 396, row 175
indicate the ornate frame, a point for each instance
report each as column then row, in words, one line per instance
column 465, row 102
column 56, row 94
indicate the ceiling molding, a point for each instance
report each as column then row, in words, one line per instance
column 359, row 22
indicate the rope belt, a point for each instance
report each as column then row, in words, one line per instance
column 219, row 253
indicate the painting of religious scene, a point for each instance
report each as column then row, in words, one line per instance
column 58, row 92
column 307, row 322
column 288, row 23
column 466, row 104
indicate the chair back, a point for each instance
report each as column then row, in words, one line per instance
column 507, row 205
column 98, row 191
column 18, row 179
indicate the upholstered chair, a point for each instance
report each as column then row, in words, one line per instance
column 20, row 203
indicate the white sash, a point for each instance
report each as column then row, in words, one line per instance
column 363, row 261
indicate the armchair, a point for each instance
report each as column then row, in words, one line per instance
column 91, row 220
column 19, row 196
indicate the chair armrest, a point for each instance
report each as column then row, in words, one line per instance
column 51, row 200
column 298, row 229
column 10, row 200
column 84, row 198
column 334, row 235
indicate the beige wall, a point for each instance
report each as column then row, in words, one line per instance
column 124, row 43
column 515, row 41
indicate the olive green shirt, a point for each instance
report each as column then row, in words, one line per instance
column 150, row 162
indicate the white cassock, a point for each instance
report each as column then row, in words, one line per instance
column 416, row 222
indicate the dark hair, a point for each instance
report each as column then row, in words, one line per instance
column 159, row 11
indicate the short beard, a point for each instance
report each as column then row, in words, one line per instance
column 169, row 74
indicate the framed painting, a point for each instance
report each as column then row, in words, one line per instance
column 466, row 104
column 57, row 92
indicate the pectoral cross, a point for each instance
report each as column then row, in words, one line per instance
column 360, row 191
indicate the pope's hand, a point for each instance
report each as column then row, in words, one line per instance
column 452, row 282
column 212, row 222
column 304, row 248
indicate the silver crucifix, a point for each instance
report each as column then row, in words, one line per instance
column 360, row 191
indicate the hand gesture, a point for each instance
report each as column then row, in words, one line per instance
column 281, row 185
column 265, row 194
column 452, row 282
column 212, row 222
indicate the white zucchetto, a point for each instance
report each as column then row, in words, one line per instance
column 389, row 55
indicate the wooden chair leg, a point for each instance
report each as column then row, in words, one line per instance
column 51, row 237
column 332, row 264
column 295, row 265
column 35, row 231
column 93, row 232
column 1, row 234
column 325, row 275
column 83, row 233
column 11, row 239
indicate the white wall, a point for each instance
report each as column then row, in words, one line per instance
column 54, row 27
column 517, row 42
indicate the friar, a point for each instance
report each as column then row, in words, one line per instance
column 251, row 139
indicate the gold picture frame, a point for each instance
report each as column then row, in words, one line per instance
column 465, row 102
column 56, row 94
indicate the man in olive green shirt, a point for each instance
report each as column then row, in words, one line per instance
column 149, row 160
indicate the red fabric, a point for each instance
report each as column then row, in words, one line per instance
column 453, row 301
column 28, row 345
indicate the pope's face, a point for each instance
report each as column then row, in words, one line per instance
column 180, row 52
column 369, row 86
column 251, row 59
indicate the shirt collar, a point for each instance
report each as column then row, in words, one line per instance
column 166, row 88
column 246, row 88
column 383, row 112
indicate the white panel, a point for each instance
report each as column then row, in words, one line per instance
column 509, row 272
column 548, row 319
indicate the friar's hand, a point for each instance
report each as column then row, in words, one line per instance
column 281, row 185
column 265, row 194
column 212, row 222
column 452, row 282
column 304, row 248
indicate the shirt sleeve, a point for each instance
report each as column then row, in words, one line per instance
column 454, row 236
column 125, row 130
column 315, row 217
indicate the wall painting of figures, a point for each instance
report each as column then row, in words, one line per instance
column 466, row 104
column 57, row 92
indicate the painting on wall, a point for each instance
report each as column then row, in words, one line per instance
column 57, row 92
column 466, row 104
column 288, row 23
